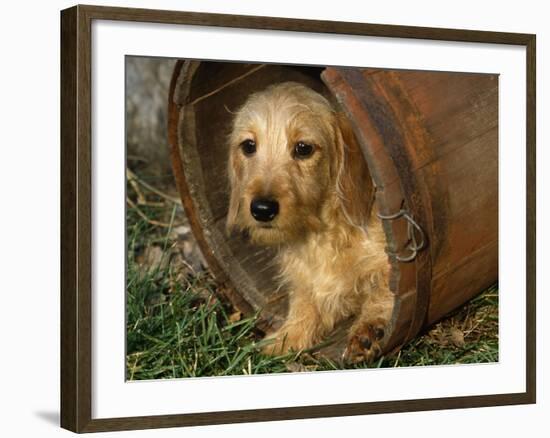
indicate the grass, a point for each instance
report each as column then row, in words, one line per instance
column 178, row 327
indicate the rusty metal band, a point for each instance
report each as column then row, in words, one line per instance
column 389, row 128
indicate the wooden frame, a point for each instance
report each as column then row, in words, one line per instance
column 76, row 173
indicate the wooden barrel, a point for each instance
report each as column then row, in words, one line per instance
column 430, row 140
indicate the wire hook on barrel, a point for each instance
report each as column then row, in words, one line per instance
column 412, row 245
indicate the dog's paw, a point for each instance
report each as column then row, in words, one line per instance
column 364, row 343
column 284, row 341
column 273, row 345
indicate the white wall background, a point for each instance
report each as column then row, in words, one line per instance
column 29, row 215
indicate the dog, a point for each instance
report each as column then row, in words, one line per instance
column 299, row 182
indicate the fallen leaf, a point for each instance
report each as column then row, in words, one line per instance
column 179, row 232
column 295, row 367
column 457, row 337
column 152, row 258
column 236, row 316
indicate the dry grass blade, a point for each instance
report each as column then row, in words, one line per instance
column 132, row 177
column 141, row 214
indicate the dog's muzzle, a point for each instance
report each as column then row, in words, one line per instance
column 264, row 210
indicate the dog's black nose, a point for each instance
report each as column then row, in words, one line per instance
column 264, row 210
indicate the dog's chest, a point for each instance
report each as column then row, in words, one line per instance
column 323, row 271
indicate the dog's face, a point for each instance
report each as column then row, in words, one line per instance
column 286, row 164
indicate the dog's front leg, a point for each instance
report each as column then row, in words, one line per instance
column 302, row 329
column 370, row 329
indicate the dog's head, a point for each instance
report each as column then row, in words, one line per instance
column 294, row 166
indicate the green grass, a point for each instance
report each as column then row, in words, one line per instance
column 184, row 335
column 178, row 327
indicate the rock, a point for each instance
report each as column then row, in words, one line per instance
column 147, row 84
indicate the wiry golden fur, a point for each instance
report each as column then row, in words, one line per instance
column 330, row 248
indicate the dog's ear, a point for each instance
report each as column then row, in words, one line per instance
column 234, row 196
column 354, row 185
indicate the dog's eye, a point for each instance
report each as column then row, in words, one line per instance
column 248, row 147
column 302, row 150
